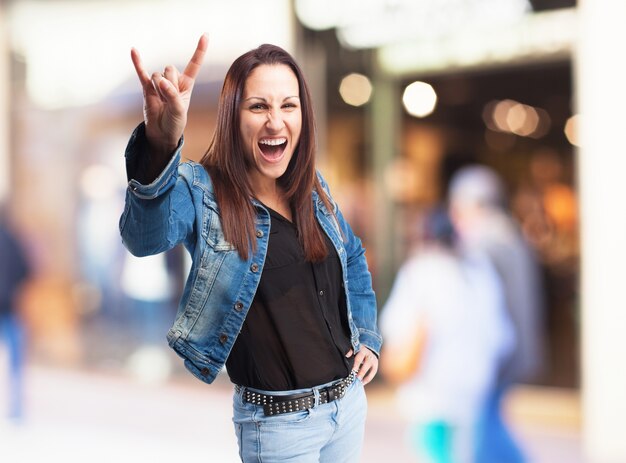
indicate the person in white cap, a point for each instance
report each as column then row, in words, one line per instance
column 477, row 205
column 447, row 331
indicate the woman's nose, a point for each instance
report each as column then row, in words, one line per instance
column 274, row 120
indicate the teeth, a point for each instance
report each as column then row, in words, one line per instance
column 273, row 141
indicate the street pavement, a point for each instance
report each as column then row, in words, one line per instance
column 78, row 415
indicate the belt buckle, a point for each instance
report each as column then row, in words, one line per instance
column 337, row 391
column 333, row 393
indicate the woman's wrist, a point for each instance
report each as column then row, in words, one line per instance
column 161, row 151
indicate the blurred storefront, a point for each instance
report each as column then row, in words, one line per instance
column 503, row 79
column 506, row 83
column 498, row 79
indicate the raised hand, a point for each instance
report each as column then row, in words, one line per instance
column 166, row 98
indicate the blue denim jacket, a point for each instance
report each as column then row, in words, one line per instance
column 180, row 207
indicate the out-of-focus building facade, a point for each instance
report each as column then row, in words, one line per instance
column 500, row 78
column 506, row 82
column 509, row 85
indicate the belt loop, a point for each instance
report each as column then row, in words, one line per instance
column 239, row 392
column 316, row 393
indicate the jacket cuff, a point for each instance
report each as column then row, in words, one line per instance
column 137, row 159
column 373, row 341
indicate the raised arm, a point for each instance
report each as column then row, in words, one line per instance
column 157, row 213
column 166, row 98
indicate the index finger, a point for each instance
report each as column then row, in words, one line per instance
column 144, row 78
column 193, row 67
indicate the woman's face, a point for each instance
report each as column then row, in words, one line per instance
column 271, row 121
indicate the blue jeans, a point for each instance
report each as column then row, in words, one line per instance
column 495, row 443
column 11, row 331
column 331, row 432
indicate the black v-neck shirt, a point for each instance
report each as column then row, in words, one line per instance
column 296, row 333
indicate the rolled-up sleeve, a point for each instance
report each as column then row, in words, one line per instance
column 159, row 214
column 360, row 289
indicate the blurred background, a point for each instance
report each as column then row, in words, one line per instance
column 406, row 92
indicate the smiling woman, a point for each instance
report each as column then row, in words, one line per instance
column 279, row 291
column 266, row 95
column 271, row 121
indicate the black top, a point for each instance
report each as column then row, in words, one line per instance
column 296, row 333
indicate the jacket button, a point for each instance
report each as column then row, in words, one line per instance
column 205, row 371
column 238, row 306
column 259, row 233
column 321, row 293
column 223, row 338
column 254, row 268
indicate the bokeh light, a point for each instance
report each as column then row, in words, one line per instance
column 517, row 118
column 355, row 89
column 419, row 99
column 571, row 129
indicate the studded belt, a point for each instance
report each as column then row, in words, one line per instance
column 279, row 404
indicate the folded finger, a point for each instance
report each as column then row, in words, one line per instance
column 360, row 357
column 169, row 95
column 158, row 87
column 363, row 367
column 370, row 375
column 372, row 370
column 171, row 74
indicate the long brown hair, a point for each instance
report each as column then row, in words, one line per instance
column 225, row 161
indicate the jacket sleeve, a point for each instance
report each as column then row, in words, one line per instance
column 158, row 215
column 359, row 284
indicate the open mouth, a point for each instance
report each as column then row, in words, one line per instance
column 272, row 148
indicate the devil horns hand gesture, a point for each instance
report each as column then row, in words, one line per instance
column 166, row 99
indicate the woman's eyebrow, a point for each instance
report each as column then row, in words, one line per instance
column 264, row 100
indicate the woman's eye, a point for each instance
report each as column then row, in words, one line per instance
column 289, row 106
column 257, row 107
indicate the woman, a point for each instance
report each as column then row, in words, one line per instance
column 279, row 289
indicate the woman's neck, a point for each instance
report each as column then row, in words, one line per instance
column 270, row 194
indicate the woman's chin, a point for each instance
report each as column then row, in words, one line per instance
column 272, row 167
column 269, row 172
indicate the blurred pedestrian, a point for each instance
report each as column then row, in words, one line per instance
column 478, row 209
column 446, row 332
column 14, row 272
column 279, row 290
column 148, row 289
